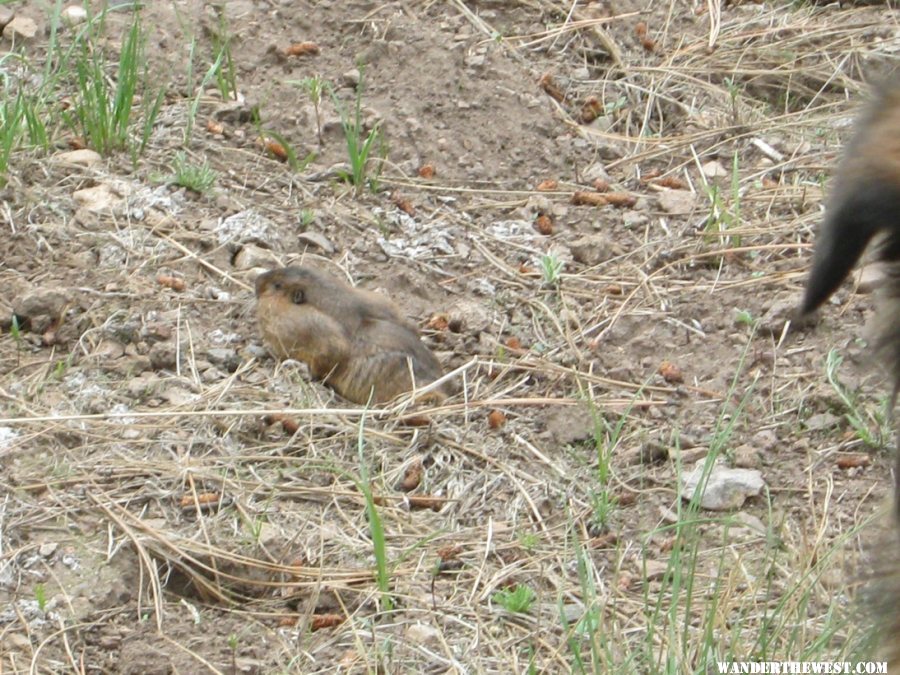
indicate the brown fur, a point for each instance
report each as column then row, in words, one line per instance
column 865, row 207
column 355, row 340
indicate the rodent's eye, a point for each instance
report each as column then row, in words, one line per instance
column 276, row 286
column 298, row 298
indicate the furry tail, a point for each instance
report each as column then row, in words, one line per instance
column 865, row 206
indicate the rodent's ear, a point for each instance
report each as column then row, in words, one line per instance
column 298, row 297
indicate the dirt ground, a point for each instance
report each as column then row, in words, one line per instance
column 154, row 518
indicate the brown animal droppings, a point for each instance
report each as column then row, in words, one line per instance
column 274, row 148
column 543, row 224
column 673, row 182
column 354, row 340
column 496, row 419
column 170, row 281
column 620, row 199
column 302, row 49
column 589, row 199
column 548, row 84
column 591, row 109
column 413, row 475
column 670, row 372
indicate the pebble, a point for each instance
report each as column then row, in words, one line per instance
column 318, row 240
column 163, row 356
column 20, row 28
column 74, row 15
column 725, row 488
column 251, row 256
column 677, row 202
column 83, row 157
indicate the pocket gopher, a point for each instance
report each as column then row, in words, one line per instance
column 865, row 206
column 356, row 341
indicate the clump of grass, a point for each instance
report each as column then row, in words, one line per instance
column 224, row 70
column 376, row 527
column 861, row 420
column 11, row 130
column 724, row 216
column 359, row 146
column 103, row 112
column 517, row 599
column 551, row 270
column 314, row 87
column 197, row 177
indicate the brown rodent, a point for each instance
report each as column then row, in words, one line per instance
column 355, row 340
column 865, row 206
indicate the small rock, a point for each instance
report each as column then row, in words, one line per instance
column 20, row 28
column 163, row 356
column 633, row 220
column 725, row 489
column 871, row 277
column 782, row 310
column 677, row 202
column 178, row 396
column 595, row 171
column 573, row 612
column 97, row 198
column 567, row 426
column 142, row 386
column 48, row 549
column 822, row 422
column 593, row 249
column 245, row 227
column 714, row 169
column 227, row 358
column 475, row 60
column 469, row 316
column 747, row 457
column 316, row 239
column 765, row 440
column 655, row 569
column 236, row 112
column 41, row 302
column 74, row 15
column 251, row 256
column 83, row 157
column 351, row 78
column 422, row 634
column 109, row 350
column 6, row 15
column 751, row 522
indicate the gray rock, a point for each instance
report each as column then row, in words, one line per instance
column 163, row 355
column 227, row 358
column 593, row 249
column 725, row 489
column 251, row 256
column 42, row 302
column 246, row 227
column 317, row 240
column 20, row 28
column 6, row 15
column 677, row 202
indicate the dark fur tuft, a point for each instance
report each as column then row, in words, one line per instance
column 864, row 208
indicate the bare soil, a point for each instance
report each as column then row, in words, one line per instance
column 128, row 402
